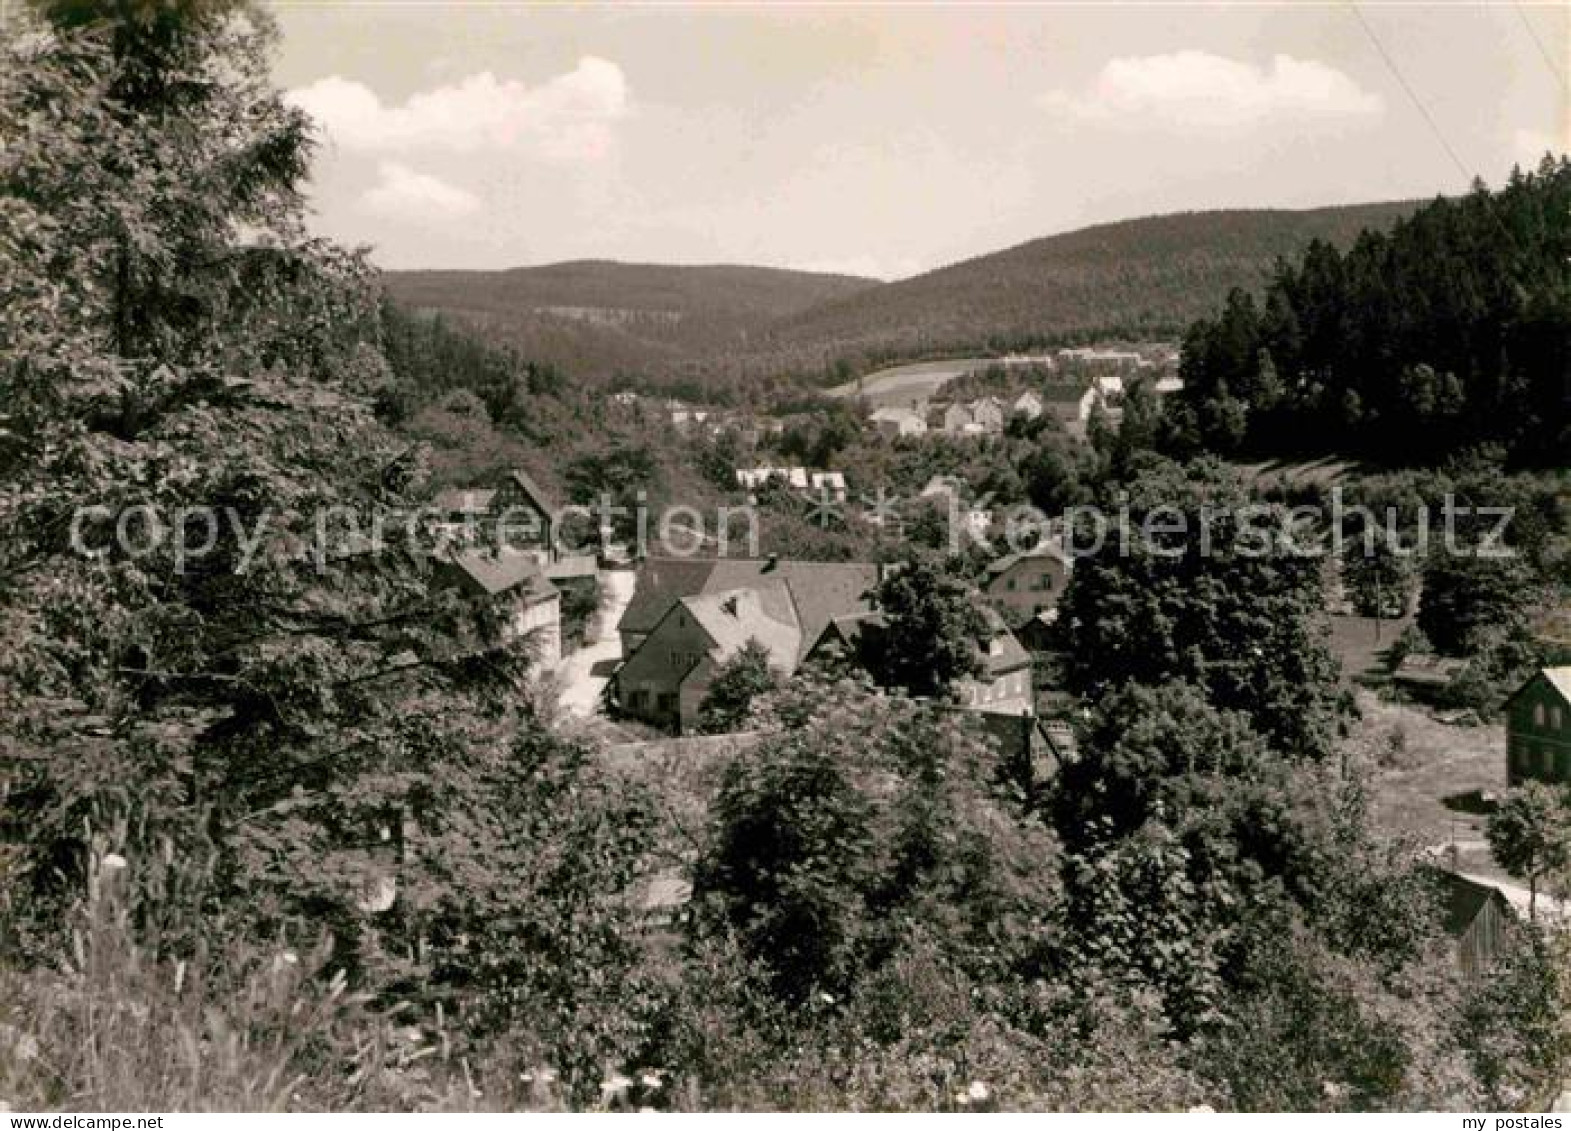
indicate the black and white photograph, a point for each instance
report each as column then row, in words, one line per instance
column 785, row 557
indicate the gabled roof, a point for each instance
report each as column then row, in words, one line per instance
column 500, row 572
column 1009, row 561
column 532, row 491
column 1465, row 900
column 819, row 591
column 848, row 629
column 478, row 500
column 763, row 613
column 1010, row 655
column 944, row 485
column 1558, row 678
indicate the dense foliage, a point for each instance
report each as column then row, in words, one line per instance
column 1191, row 582
column 267, row 735
column 284, row 825
column 1452, row 330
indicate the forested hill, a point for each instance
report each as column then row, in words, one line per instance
column 595, row 317
column 1451, row 331
column 1133, row 279
column 721, row 325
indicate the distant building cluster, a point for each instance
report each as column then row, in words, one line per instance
column 829, row 485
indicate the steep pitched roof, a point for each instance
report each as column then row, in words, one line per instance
column 500, row 572
column 763, row 613
column 662, row 582
column 819, row 591
column 1009, row 654
column 1009, row 561
column 1558, row 678
column 532, row 491
column 1465, row 900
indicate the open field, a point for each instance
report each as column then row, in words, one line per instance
column 901, row 384
column 1429, row 776
column 1361, row 643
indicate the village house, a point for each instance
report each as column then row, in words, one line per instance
column 514, row 583
column 1028, row 405
column 896, row 422
column 956, row 419
column 1004, row 684
column 818, row 592
column 514, row 510
column 1538, row 729
column 1031, row 750
column 666, row 679
column 753, row 478
column 1070, row 403
column 987, row 414
column 1093, row 356
column 684, row 416
column 1028, row 584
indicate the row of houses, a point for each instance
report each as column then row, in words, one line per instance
column 820, row 484
column 1070, row 403
column 688, row 617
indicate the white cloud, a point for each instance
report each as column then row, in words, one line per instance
column 404, row 194
column 569, row 118
column 1198, row 91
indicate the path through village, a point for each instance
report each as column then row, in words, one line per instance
column 584, row 673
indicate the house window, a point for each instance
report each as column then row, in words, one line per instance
column 1538, row 714
column 1010, row 585
column 1555, row 720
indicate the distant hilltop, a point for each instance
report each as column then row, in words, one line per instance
column 1134, row 280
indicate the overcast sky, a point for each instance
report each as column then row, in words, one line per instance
column 892, row 139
